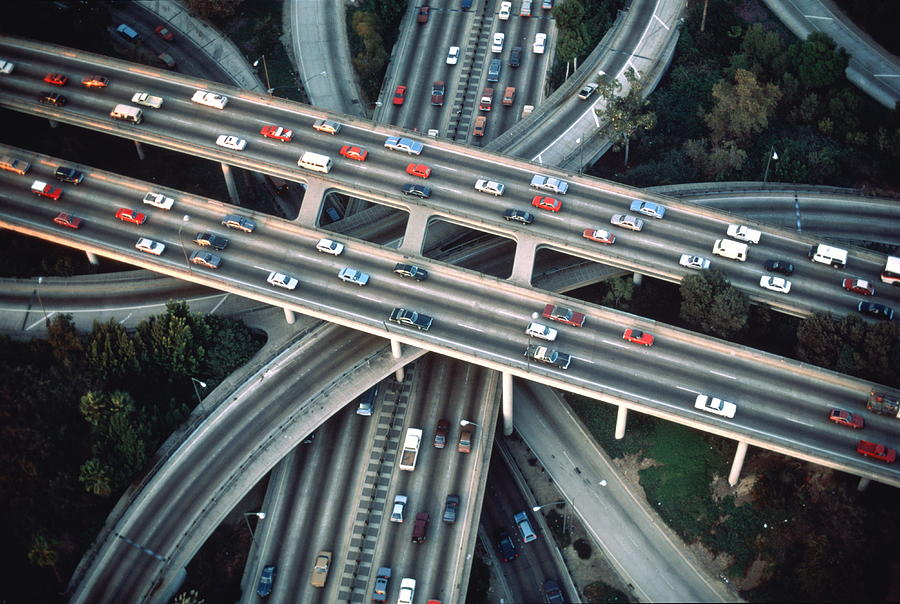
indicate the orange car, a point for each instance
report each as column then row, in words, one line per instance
column 420, row 170
column 57, row 79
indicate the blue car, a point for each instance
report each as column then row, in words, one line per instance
column 264, row 589
column 648, row 208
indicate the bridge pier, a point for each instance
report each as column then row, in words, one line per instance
column 140, row 150
column 313, row 200
column 92, row 258
column 229, row 184
column 523, row 261
column 637, row 278
column 396, row 351
column 414, row 235
column 863, row 484
column 507, row 385
column 738, row 463
column 621, row 418
column 289, row 316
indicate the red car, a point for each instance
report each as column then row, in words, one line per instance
column 67, row 220
column 164, row 33
column 277, row 132
column 131, row 216
column 546, row 203
column 564, row 315
column 600, row 236
column 858, row 286
column 638, row 337
column 95, row 81
column 845, row 418
column 57, row 79
column 420, row 170
column 399, row 95
column 357, row 153
column 877, row 451
column 422, row 16
column 43, row 189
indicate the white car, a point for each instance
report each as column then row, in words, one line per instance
column 282, row 280
column 398, row 509
column 503, row 13
column 327, row 246
column 698, row 263
column 497, row 44
column 351, row 275
column 776, row 284
column 159, row 200
column 489, row 186
column 407, row 591
column 540, row 43
column 536, row 330
column 715, row 405
column 743, row 233
column 231, row 142
column 210, row 99
column 6, row 67
column 147, row 100
column 151, row 247
column 453, row 55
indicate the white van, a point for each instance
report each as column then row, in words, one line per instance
column 727, row 248
column 827, row 254
column 315, row 161
column 127, row 113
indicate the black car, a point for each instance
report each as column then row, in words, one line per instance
column 264, row 589
column 506, row 547
column 410, row 270
column 515, row 57
column 519, row 216
column 52, row 98
column 779, row 266
column 552, row 593
column 211, row 240
column 876, row 310
column 416, row 190
column 450, row 508
column 70, row 175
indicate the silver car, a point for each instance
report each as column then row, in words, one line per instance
column 625, row 221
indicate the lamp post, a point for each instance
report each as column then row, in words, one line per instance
column 195, row 382
column 269, row 88
column 38, row 291
column 259, row 515
column 538, row 507
column 772, row 155
column 184, row 221
column 321, row 73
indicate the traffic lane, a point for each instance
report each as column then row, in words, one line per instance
column 185, row 488
column 628, row 532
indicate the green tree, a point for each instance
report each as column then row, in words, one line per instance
column 212, row 9
column 94, row 407
column 172, row 344
column 64, row 340
column 715, row 161
column 95, row 478
column 741, row 108
column 817, row 61
column 43, row 552
column 759, row 48
column 619, row 293
column 710, row 304
column 817, row 340
column 111, row 353
column 626, row 114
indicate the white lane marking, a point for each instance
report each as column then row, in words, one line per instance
column 585, row 360
column 687, row 389
column 797, row 421
column 218, row 304
column 725, row 375
column 470, row 327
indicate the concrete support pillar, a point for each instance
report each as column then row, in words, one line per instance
column 92, row 258
column 738, row 463
column 229, row 183
column 289, row 316
column 621, row 418
column 416, row 229
column 507, row 386
column 140, row 150
column 53, row 123
column 637, row 278
column 863, row 484
column 396, row 351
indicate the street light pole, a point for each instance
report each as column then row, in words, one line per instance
column 465, row 422
column 184, row 221
column 195, row 382
column 269, row 88
column 772, row 155
column 260, row 515
column 538, row 507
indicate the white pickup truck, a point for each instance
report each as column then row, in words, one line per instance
column 743, row 233
column 147, row 100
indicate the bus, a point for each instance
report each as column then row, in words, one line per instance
column 891, row 272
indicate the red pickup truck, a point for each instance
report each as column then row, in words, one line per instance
column 563, row 315
column 877, row 451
